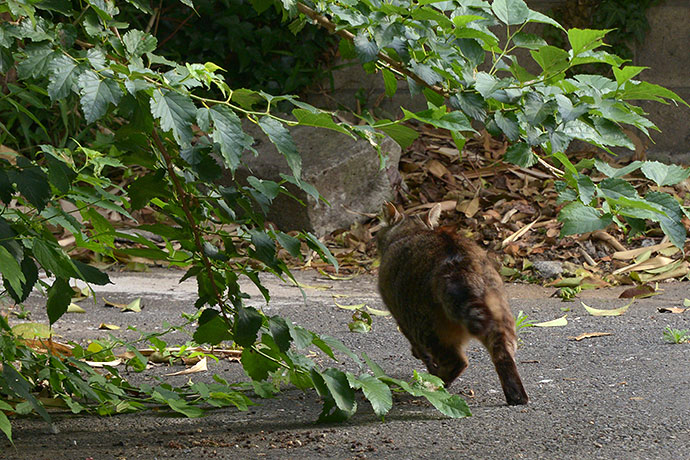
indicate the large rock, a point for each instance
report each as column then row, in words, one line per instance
column 344, row 170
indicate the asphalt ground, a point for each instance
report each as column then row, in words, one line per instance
column 620, row 396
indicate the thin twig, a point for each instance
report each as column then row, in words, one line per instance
column 184, row 201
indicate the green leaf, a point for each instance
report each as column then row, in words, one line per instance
column 314, row 243
column 578, row 218
column 403, row 135
column 319, row 120
column 586, row 189
column 228, row 133
column 377, row 392
column 145, row 188
column 212, row 328
column 138, row 43
column 610, row 171
column 247, row 324
column 511, row 11
column 366, row 50
column 5, row 425
column 90, row 274
column 390, row 82
column 535, row 16
column 280, row 332
column 472, row 104
column 552, row 60
column 37, row 62
column 53, row 260
column 642, row 90
column 671, row 223
column 64, row 77
column 529, row 41
column 521, row 154
column 176, row 112
column 97, row 94
column 451, row 405
column 180, row 405
column 582, row 40
column 626, row 73
column 339, row 389
column 33, row 183
column 59, row 298
column 663, row 174
column 264, row 247
column 281, row 138
column 30, row 272
column 11, row 271
column 616, row 188
column 257, row 366
column 290, row 243
column 452, row 121
column 20, row 387
column 508, row 124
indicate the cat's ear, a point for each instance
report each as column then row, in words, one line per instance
column 431, row 218
column 390, row 214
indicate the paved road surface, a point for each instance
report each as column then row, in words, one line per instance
column 622, row 396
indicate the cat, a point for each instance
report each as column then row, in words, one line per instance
column 442, row 290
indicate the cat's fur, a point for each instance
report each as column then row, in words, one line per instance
column 442, row 290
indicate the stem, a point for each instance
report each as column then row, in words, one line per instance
column 184, row 201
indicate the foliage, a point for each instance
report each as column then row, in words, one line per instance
column 256, row 50
column 626, row 20
column 676, row 336
column 460, row 56
column 91, row 115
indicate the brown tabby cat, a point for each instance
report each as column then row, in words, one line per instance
column 442, row 290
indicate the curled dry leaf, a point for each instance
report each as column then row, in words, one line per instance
column 201, row 366
column 562, row 321
column 589, row 335
column 613, row 312
column 74, row 308
column 677, row 310
column 109, row 327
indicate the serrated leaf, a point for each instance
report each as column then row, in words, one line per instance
column 521, row 154
column 138, row 43
column 20, row 387
column 578, row 218
column 671, row 224
column 280, row 331
column 508, row 124
column 176, row 112
column 257, row 366
column 37, row 62
column 52, row 259
column 610, row 171
column 64, row 77
column 319, row 120
column 11, row 270
column 451, row 405
column 529, row 41
column 5, row 425
column 314, row 243
column 663, row 174
column 377, row 393
column 366, row 50
column 511, row 11
column 97, row 94
column 452, row 121
column 582, row 40
column 551, row 59
column 281, row 138
column 212, row 328
column 626, row 73
column 339, row 388
column 290, row 243
column 246, row 326
column 228, row 133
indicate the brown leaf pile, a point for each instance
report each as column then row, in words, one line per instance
column 510, row 211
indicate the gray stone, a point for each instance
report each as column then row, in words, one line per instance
column 548, row 268
column 344, row 170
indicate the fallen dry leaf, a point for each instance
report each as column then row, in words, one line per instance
column 201, row 366
column 109, row 327
column 134, row 305
column 100, row 364
column 671, row 310
column 633, row 253
column 562, row 321
column 644, row 290
column 613, row 312
column 588, row 335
